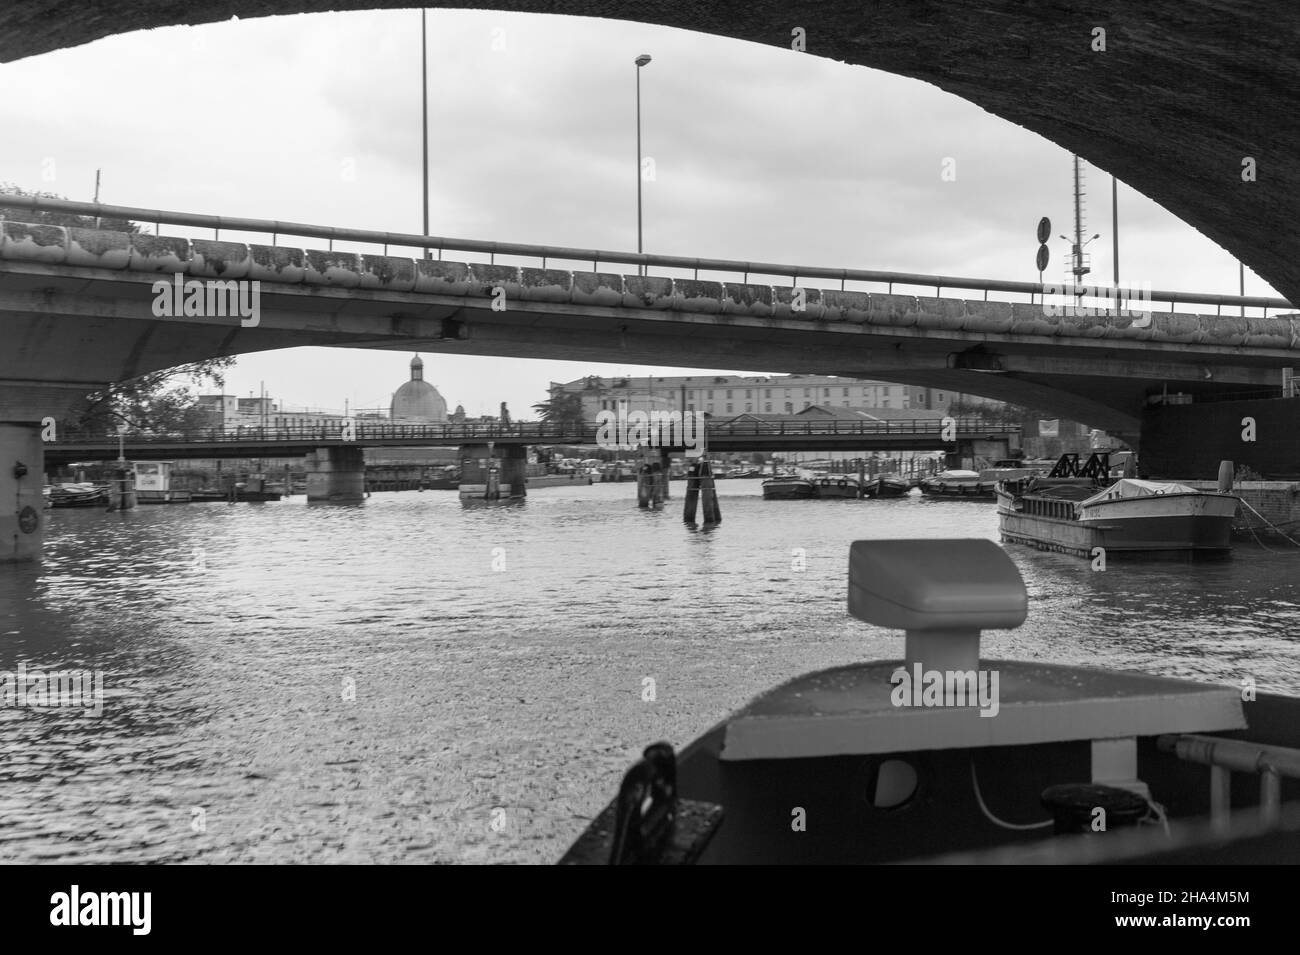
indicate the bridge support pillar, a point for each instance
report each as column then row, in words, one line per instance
column 514, row 471
column 22, row 505
column 337, row 475
column 489, row 473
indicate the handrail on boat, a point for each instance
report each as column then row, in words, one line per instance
column 1225, row 756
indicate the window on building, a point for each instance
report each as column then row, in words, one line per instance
column 729, row 407
column 826, row 392
column 941, row 396
column 846, row 392
column 767, row 406
column 691, row 406
column 807, row 404
column 710, row 394
column 749, row 406
column 806, row 393
column 749, row 393
column 767, row 392
column 728, row 392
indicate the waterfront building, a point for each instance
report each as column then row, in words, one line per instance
column 724, row 396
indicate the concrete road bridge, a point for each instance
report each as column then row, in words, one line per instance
column 995, row 438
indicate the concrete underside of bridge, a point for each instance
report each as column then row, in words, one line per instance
column 1199, row 84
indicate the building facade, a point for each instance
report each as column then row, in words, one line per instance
column 725, row 396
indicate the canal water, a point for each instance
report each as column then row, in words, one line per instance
column 413, row 680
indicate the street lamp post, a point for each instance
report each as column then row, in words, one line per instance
column 424, row 120
column 641, row 61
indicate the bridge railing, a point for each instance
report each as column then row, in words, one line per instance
column 537, row 432
column 427, row 244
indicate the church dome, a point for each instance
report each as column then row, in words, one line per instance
column 417, row 401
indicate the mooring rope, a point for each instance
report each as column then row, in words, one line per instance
column 1246, row 504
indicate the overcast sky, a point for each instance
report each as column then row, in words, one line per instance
column 760, row 154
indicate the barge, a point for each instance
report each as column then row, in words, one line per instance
column 1087, row 510
column 963, row 484
column 840, row 485
column 788, row 488
column 887, row 485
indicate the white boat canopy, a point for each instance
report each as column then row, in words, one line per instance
column 1132, row 487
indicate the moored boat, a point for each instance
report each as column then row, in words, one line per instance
column 77, row 495
column 956, row 483
column 887, row 485
column 788, row 487
column 837, row 485
column 1130, row 516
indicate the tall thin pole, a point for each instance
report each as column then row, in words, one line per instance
column 1241, row 275
column 1078, row 225
column 1114, row 231
column 640, row 268
column 424, row 115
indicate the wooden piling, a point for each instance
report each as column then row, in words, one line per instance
column 709, row 493
column 692, row 493
column 643, row 485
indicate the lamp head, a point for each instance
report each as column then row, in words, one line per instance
column 643, row 59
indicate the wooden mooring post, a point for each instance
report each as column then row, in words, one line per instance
column 700, row 488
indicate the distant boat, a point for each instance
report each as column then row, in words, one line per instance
column 787, row 488
column 966, row 484
column 77, row 495
column 840, row 485
column 887, row 485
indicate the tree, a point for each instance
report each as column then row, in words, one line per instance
column 562, row 408
column 60, row 218
column 159, row 402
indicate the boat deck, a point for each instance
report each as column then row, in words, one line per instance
column 848, row 710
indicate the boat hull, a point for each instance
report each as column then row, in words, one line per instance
column 788, row 491
column 885, row 487
column 1175, row 524
column 95, row 498
column 838, row 487
column 976, row 491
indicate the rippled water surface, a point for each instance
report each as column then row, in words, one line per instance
column 496, row 656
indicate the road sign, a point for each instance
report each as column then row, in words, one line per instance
column 1044, row 229
column 1042, row 258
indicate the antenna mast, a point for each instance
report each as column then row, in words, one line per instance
column 1080, row 267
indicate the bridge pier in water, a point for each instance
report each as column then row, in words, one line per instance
column 22, row 504
column 489, row 473
column 336, row 474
